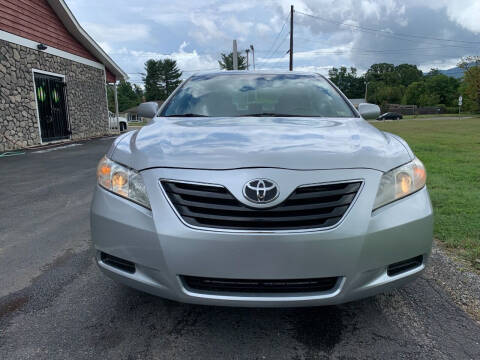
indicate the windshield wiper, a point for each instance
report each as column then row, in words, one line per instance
column 186, row 115
column 273, row 115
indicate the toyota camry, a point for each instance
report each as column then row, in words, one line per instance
column 261, row 189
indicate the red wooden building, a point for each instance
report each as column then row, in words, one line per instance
column 52, row 75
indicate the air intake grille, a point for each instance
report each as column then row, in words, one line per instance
column 118, row 263
column 308, row 207
column 402, row 266
column 259, row 286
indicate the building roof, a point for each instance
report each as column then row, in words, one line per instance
column 72, row 25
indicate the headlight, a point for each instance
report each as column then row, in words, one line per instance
column 400, row 182
column 122, row 181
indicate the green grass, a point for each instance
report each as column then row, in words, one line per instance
column 450, row 150
column 429, row 116
column 138, row 124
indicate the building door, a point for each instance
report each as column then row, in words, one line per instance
column 52, row 107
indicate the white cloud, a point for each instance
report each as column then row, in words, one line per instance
column 442, row 64
column 126, row 32
column 237, row 27
column 206, row 30
column 465, row 13
column 370, row 8
column 236, row 6
column 262, row 29
column 188, row 62
column 209, row 26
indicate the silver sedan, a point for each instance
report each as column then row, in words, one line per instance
column 261, row 189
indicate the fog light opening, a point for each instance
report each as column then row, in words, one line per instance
column 404, row 266
column 118, row 263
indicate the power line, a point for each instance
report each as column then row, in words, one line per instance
column 276, row 50
column 437, row 47
column 278, row 35
column 364, row 28
column 386, row 35
column 365, row 52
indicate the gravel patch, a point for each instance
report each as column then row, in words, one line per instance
column 458, row 278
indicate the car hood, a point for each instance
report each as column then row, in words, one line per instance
column 229, row 143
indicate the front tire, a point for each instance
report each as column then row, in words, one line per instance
column 123, row 127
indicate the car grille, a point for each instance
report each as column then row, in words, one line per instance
column 308, row 207
column 259, row 286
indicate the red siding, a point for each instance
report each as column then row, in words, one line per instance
column 35, row 20
column 110, row 77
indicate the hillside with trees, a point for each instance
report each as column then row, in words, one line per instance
column 406, row 84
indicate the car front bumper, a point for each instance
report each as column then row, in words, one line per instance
column 357, row 251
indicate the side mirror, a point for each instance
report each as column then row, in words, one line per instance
column 147, row 110
column 369, row 111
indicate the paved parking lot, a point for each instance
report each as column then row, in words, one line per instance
column 55, row 304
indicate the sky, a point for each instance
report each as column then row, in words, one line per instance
column 358, row 33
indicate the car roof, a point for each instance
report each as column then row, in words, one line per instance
column 255, row 72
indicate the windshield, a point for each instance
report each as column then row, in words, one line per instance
column 236, row 95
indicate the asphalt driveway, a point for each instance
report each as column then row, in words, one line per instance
column 55, row 304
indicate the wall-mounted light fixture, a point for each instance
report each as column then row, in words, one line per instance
column 41, row 47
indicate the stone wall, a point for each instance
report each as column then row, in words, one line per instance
column 87, row 104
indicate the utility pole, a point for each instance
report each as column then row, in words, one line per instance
column 235, row 55
column 291, row 38
column 115, row 94
column 366, row 90
column 247, row 51
column 253, row 56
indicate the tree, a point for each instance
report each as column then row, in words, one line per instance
column 429, row 99
column 138, row 90
column 161, row 78
column 128, row 96
column 153, row 89
column 471, row 81
column 408, row 74
column 348, row 82
column 382, row 72
column 226, row 62
column 433, row 72
column 386, row 83
column 170, row 75
column 432, row 90
column 444, row 87
column 381, row 93
column 413, row 93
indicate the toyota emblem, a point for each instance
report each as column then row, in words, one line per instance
column 261, row 191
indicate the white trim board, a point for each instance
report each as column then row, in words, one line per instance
column 49, row 73
column 15, row 39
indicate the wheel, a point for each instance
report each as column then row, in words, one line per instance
column 122, row 127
